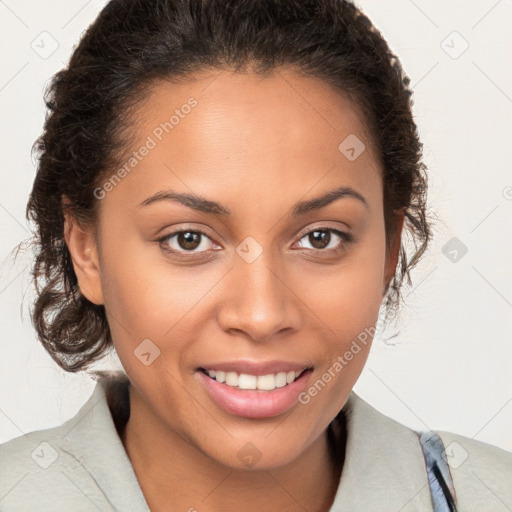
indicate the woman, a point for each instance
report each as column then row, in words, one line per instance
column 222, row 193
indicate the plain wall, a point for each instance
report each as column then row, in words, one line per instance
column 450, row 367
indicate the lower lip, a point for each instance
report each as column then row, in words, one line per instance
column 254, row 403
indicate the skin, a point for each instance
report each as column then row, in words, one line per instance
column 257, row 146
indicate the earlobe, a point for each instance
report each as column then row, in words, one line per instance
column 393, row 251
column 83, row 249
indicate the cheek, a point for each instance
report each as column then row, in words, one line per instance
column 350, row 311
column 348, row 303
column 348, row 297
column 147, row 296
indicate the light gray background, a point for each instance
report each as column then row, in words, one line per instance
column 450, row 367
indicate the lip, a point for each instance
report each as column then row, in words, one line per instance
column 254, row 403
column 253, row 367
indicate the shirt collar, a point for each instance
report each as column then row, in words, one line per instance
column 93, row 439
column 383, row 460
column 383, row 465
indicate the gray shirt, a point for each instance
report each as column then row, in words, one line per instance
column 82, row 466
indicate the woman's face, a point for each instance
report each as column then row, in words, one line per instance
column 271, row 286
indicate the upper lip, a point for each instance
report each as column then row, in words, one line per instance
column 254, row 367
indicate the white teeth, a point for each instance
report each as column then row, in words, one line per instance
column 232, row 379
column 267, row 382
column 247, row 381
column 280, row 379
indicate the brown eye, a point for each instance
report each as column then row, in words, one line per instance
column 319, row 239
column 190, row 241
column 326, row 239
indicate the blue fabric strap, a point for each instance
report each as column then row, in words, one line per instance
column 438, row 471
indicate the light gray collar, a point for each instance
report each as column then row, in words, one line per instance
column 384, row 468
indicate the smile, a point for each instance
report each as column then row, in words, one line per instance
column 267, row 382
column 254, row 396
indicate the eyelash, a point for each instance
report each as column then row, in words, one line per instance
column 182, row 255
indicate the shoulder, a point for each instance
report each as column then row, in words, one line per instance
column 33, row 469
column 62, row 468
column 481, row 473
column 30, row 450
column 391, row 453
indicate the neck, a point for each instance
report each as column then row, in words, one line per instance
column 175, row 475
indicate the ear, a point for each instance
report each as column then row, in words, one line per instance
column 84, row 254
column 393, row 250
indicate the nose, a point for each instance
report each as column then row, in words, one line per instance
column 259, row 302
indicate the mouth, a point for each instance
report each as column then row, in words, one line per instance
column 247, row 381
column 260, row 394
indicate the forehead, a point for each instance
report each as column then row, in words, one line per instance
column 223, row 132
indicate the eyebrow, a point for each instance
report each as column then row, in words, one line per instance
column 204, row 205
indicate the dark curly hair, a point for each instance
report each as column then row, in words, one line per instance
column 134, row 43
